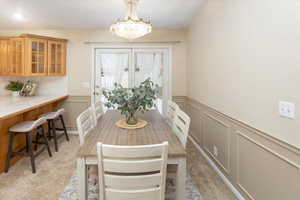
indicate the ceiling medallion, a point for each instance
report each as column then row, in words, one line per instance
column 131, row 27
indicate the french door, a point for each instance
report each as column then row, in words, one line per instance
column 129, row 67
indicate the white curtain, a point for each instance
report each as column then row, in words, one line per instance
column 114, row 70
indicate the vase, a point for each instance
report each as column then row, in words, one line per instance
column 131, row 120
column 15, row 93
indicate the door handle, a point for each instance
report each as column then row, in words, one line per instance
column 96, row 93
column 126, row 69
column 137, row 69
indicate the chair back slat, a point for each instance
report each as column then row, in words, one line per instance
column 132, row 152
column 148, row 194
column 132, row 172
column 181, row 126
column 131, row 166
column 171, row 112
column 85, row 124
column 132, row 182
column 97, row 111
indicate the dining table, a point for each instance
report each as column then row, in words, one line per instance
column 156, row 131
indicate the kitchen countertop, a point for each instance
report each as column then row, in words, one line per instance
column 10, row 106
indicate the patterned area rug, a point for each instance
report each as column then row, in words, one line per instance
column 192, row 192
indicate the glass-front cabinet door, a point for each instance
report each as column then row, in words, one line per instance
column 16, row 57
column 4, row 44
column 56, row 58
column 36, row 64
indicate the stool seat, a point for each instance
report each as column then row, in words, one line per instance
column 53, row 115
column 27, row 126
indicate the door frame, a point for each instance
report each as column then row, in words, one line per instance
column 169, row 68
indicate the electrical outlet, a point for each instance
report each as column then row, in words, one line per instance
column 287, row 109
column 215, row 151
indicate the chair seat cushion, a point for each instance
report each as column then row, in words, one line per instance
column 53, row 115
column 23, row 127
column 49, row 115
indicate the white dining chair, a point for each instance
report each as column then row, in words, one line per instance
column 98, row 111
column 181, row 126
column 85, row 124
column 172, row 108
column 132, row 172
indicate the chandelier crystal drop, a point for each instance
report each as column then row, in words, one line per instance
column 131, row 27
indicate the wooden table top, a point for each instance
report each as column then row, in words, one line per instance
column 106, row 132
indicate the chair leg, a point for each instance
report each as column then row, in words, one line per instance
column 37, row 138
column 10, row 151
column 49, row 129
column 64, row 127
column 30, row 152
column 54, row 134
column 46, row 141
column 26, row 144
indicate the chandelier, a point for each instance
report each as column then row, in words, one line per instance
column 131, row 27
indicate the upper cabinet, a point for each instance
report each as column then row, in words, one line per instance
column 33, row 55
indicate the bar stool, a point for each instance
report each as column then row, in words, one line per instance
column 52, row 118
column 29, row 129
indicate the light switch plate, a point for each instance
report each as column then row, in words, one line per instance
column 287, row 109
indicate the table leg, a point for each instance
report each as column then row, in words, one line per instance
column 82, row 179
column 181, row 179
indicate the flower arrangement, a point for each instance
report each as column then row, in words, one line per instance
column 131, row 100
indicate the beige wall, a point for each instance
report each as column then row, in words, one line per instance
column 79, row 60
column 243, row 57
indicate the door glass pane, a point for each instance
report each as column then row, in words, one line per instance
column 41, row 47
column 110, row 67
column 113, row 68
column 53, row 58
column 34, row 46
column 34, row 68
column 149, row 64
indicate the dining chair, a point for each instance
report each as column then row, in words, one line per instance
column 98, row 111
column 85, row 124
column 181, row 126
column 132, row 172
column 171, row 111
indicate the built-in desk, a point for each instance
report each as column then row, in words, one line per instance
column 17, row 109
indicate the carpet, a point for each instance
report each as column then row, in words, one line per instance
column 192, row 192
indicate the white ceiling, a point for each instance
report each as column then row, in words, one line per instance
column 92, row 14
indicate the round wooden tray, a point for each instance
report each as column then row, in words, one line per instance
column 122, row 124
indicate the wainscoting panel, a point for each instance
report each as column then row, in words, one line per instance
column 217, row 141
column 265, row 174
column 197, row 122
column 74, row 105
column 259, row 166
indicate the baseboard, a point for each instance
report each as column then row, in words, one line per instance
column 73, row 132
column 221, row 175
